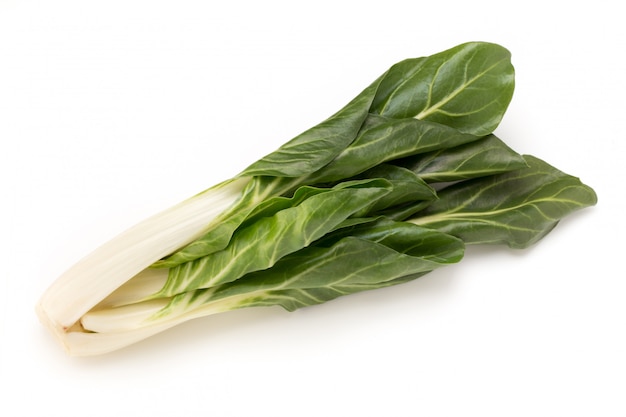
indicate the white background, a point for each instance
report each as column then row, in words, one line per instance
column 112, row 111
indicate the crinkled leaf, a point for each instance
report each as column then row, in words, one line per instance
column 468, row 87
column 516, row 208
column 265, row 241
column 402, row 251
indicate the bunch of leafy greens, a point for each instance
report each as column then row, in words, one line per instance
column 389, row 188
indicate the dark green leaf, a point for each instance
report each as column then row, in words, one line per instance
column 516, row 208
column 317, row 146
column 480, row 158
column 468, row 87
column 384, row 139
column 406, row 188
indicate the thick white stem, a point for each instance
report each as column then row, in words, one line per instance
column 119, row 319
column 97, row 275
column 90, row 344
column 137, row 289
column 113, row 325
column 103, row 331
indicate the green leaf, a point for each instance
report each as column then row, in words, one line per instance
column 467, row 87
column 516, row 208
column 368, row 257
column 353, row 140
column 383, row 139
column 480, row 158
column 293, row 299
column 318, row 145
column 407, row 187
column 260, row 244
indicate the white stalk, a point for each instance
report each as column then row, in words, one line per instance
column 88, row 344
column 122, row 326
column 119, row 319
column 140, row 287
column 100, row 273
